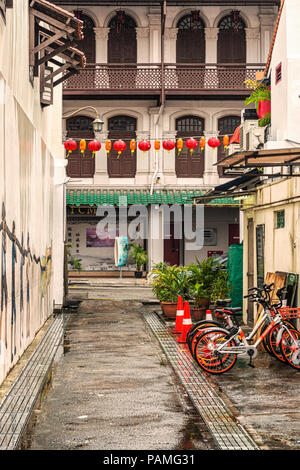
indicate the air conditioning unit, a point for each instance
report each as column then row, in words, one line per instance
column 252, row 137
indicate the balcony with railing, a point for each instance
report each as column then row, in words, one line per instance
column 154, row 79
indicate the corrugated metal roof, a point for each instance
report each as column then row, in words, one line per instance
column 98, row 197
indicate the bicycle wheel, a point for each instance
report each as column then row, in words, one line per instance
column 290, row 347
column 203, row 324
column 207, row 356
column 273, row 340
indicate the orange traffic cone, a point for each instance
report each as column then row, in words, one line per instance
column 186, row 323
column 208, row 315
column 179, row 316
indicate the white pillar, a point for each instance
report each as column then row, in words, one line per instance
column 253, row 45
column 211, row 41
column 170, row 45
column 59, row 230
column 143, row 45
column 142, row 160
column 101, row 44
column 155, row 36
column 267, row 21
column 210, row 176
column 156, row 238
column 101, row 175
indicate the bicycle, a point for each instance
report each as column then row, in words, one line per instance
column 227, row 319
column 217, row 349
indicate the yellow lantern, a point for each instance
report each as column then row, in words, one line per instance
column 179, row 145
column 202, row 143
column 82, row 146
column 108, row 146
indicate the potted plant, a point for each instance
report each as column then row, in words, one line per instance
column 201, row 299
column 220, row 288
column 168, row 282
column 261, row 96
column 140, row 256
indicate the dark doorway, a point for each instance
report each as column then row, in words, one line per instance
column 190, row 44
column 79, row 166
column 123, row 166
column 172, row 248
column 190, row 49
column 233, row 234
column 88, row 43
column 189, row 165
column 122, row 46
column 226, row 126
column 231, row 50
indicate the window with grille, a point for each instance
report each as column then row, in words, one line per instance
column 190, row 23
column 280, row 219
column 228, row 23
column 190, row 124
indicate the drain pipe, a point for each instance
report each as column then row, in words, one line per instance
column 156, row 153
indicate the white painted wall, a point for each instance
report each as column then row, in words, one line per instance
column 31, row 146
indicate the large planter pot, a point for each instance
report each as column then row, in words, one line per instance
column 138, row 274
column 264, row 107
column 169, row 309
column 198, row 313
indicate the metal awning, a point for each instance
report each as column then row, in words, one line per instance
column 237, row 188
column 288, row 157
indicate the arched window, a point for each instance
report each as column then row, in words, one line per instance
column 122, row 44
column 80, row 127
column 232, row 40
column 88, row 43
column 226, row 126
column 123, row 166
column 190, row 45
column 187, row 165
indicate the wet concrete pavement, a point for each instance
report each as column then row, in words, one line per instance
column 113, row 389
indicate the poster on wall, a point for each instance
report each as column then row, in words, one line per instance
column 107, row 239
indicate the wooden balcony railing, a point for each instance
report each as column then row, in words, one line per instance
column 151, row 78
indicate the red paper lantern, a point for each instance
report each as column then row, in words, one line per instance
column 144, row 146
column 214, row 142
column 94, row 146
column 168, row 145
column 120, row 146
column 70, row 146
column 191, row 144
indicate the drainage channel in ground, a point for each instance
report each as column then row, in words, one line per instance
column 227, row 433
column 17, row 406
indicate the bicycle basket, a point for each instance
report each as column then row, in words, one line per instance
column 288, row 312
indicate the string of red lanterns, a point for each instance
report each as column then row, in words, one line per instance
column 145, row 145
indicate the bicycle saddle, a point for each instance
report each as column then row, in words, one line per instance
column 223, row 302
column 230, row 310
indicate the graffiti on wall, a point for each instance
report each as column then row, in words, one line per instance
column 19, row 321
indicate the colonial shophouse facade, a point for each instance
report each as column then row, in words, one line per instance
column 159, row 70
